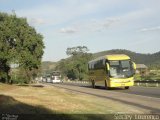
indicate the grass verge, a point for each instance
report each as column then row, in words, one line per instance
column 40, row 99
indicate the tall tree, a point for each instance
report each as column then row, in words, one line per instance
column 77, row 50
column 75, row 67
column 20, row 44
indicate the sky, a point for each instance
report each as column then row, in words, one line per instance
column 98, row 24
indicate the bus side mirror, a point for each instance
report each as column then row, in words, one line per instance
column 107, row 67
column 134, row 67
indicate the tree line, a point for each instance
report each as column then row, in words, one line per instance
column 20, row 45
column 75, row 67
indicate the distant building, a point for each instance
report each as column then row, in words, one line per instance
column 142, row 69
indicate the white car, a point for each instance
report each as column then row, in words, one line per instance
column 56, row 79
column 48, row 79
column 43, row 79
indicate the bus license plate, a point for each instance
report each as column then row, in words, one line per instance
column 122, row 84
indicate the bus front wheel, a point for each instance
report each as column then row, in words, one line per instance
column 127, row 87
column 106, row 86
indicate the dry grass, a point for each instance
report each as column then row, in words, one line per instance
column 49, row 99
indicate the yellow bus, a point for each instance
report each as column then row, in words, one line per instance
column 112, row 71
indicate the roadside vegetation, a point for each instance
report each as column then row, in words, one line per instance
column 21, row 49
column 152, row 75
column 76, row 66
column 43, row 99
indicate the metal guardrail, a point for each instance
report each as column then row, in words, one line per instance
column 85, row 82
column 147, row 83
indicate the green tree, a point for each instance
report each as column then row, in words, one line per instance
column 19, row 44
column 73, row 51
column 75, row 67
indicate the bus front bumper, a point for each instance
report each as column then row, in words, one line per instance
column 121, row 84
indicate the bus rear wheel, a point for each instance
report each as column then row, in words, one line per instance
column 127, row 87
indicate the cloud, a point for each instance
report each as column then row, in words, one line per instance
column 77, row 16
column 36, row 21
column 65, row 10
column 108, row 22
column 102, row 24
column 93, row 25
column 68, row 30
column 116, row 21
column 156, row 28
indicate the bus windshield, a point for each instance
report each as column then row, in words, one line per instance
column 121, row 69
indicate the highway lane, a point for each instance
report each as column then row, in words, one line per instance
column 137, row 90
column 144, row 91
column 145, row 104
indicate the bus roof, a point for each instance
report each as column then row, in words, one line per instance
column 117, row 57
column 113, row 57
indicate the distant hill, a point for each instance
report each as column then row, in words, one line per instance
column 151, row 60
column 139, row 58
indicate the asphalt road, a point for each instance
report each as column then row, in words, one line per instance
column 137, row 90
column 144, row 99
column 144, row 91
